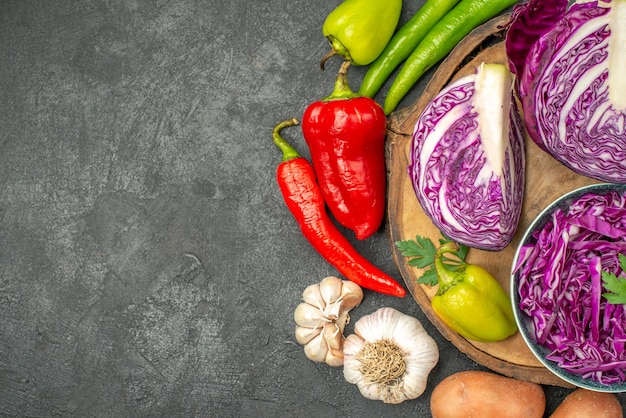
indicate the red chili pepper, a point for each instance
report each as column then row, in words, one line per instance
column 345, row 133
column 296, row 179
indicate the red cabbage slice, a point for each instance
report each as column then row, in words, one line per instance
column 470, row 200
column 565, row 88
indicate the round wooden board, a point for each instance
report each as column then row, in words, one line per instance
column 546, row 179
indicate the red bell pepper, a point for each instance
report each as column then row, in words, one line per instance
column 345, row 133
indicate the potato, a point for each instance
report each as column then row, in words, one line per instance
column 586, row 403
column 483, row 395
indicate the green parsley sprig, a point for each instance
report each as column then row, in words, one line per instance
column 421, row 254
column 615, row 285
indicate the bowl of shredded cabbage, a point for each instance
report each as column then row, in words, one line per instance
column 568, row 287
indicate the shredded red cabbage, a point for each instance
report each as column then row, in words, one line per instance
column 560, row 287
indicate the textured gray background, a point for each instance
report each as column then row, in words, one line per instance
column 148, row 265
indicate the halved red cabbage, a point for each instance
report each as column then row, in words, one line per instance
column 524, row 28
column 472, row 191
column 560, row 287
column 572, row 82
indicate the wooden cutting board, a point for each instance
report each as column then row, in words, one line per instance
column 546, row 179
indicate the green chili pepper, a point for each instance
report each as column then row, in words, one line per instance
column 439, row 41
column 471, row 301
column 358, row 30
column 403, row 42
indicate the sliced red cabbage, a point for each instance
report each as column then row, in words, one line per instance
column 572, row 82
column 467, row 160
column 560, row 287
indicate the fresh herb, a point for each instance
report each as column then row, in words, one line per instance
column 615, row 285
column 421, row 253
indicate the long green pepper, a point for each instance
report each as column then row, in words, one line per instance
column 403, row 43
column 439, row 41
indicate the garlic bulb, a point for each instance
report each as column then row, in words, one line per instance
column 322, row 316
column 389, row 356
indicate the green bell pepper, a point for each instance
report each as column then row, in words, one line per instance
column 359, row 30
column 471, row 301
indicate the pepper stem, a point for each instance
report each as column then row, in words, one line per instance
column 289, row 153
column 330, row 53
column 337, row 48
column 342, row 88
column 447, row 278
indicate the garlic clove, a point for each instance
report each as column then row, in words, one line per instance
column 422, row 356
column 351, row 294
column 409, row 326
column 342, row 320
column 309, row 316
column 327, row 346
column 351, row 374
column 414, row 385
column 305, row 334
column 368, row 390
column 417, row 343
column 330, row 288
column 334, row 340
column 334, row 337
column 349, row 297
column 380, row 325
column 352, row 344
column 368, row 328
column 334, row 358
column 316, row 349
column 312, row 296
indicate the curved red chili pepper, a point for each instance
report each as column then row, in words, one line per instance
column 296, row 179
column 346, row 133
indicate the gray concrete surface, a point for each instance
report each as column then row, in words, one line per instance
column 148, row 266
